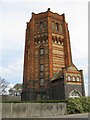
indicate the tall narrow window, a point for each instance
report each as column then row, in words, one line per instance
column 53, row 26
column 61, row 29
column 41, row 26
column 57, row 27
column 41, row 51
column 41, row 67
column 41, row 82
column 41, row 74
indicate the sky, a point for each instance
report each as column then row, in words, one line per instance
column 13, row 17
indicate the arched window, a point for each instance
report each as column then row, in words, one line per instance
column 74, row 79
column 61, row 29
column 69, row 78
column 53, row 26
column 78, row 79
column 75, row 93
column 57, row 27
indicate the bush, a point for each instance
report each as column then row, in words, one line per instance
column 74, row 106
column 78, row 105
column 85, row 103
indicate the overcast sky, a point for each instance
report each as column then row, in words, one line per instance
column 13, row 17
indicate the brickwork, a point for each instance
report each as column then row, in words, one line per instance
column 47, row 55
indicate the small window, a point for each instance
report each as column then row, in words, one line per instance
column 69, row 78
column 74, row 78
column 41, row 82
column 41, row 74
column 78, row 79
column 41, row 67
column 57, row 27
column 75, row 93
column 61, row 29
column 53, row 26
column 41, row 51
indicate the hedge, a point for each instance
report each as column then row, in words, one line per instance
column 36, row 101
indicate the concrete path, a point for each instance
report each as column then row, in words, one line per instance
column 84, row 116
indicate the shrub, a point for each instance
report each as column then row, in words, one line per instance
column 85, row 103
column 74, row 106
column 78, row 105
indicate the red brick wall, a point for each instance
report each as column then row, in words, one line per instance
column 36, row 38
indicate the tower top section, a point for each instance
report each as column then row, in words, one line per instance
column 48, row 13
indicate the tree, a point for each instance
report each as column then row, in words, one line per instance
column 3, row 86
column 16, row 90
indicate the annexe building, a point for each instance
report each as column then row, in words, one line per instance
column 49, row 72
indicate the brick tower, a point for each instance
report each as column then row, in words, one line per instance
column 49, row 72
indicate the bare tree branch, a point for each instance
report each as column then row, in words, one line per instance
column 3, row 85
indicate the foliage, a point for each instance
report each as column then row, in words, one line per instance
column 74, row 106
column 16, row 90
column 47, row 101
column 78, row 105
column 85, row 103
column 36, row 101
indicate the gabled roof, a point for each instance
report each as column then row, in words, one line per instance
column 72, row 67
column 58, row 75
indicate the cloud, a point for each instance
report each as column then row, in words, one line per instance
column 8, row 88
column 16, row 67
column 4, row 71
column 13, row 17
column 13, row 72
column 34, row 1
